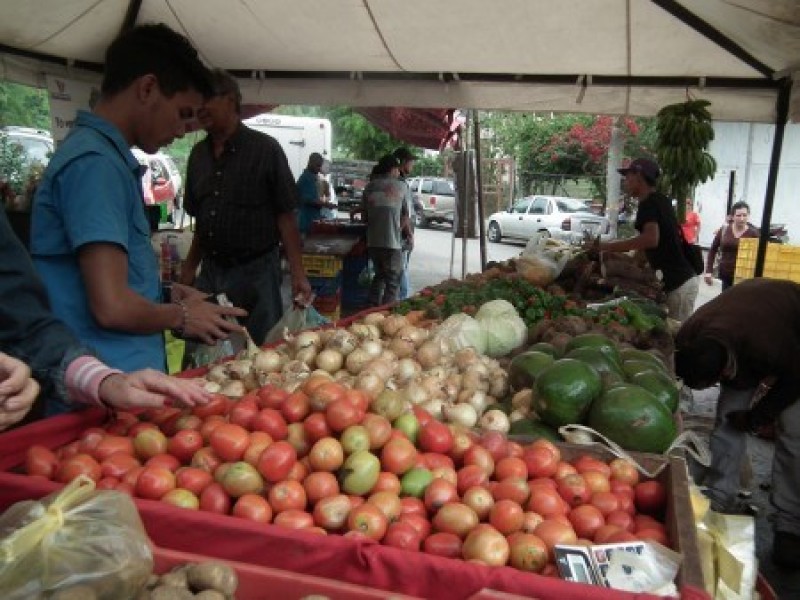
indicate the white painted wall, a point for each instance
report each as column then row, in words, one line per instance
column 747, row 148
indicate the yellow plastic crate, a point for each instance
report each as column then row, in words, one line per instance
column 318, row 265
column 781, row 262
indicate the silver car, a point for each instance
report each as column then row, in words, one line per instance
column 551, row 216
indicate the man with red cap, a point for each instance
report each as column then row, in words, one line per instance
column 658, row 237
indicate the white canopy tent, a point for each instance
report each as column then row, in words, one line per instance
column 616, row 57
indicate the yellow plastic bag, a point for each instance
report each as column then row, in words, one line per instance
column 74, row 537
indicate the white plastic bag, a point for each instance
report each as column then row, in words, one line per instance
column 295, row 319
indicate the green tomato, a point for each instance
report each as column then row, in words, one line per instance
column 359, row 473
column 415, row 482
column 409, row 425
column 355, row 438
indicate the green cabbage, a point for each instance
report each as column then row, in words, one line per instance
column 496, row 308
column 462, row 331
column 504, row 334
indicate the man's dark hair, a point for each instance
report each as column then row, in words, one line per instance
column 223, row 84
column 156, row 49
column 701, row 363
column 739, row 206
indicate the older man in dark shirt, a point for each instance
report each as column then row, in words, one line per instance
column 241, row 191
column 748, row 340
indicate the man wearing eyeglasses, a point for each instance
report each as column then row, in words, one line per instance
column 90, row 236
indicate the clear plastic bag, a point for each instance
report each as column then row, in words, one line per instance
column 74, row 537
column 295, row 319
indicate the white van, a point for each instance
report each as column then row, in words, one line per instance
column 298, row 136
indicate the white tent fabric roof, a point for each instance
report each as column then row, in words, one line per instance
column 592, row 56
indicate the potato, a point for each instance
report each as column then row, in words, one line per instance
column 210, row 595
column 170, row 592
column 212, row 576
column 176, row 578
column 76, row 592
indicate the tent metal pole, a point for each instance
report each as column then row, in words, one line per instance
column 134, row 6
column 479, row 184
column 781, row 118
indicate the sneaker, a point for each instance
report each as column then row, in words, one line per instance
column 786, row 550
column 737, row 507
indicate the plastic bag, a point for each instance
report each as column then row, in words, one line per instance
column 76, row 536
column 543, row 259
column 295, row 319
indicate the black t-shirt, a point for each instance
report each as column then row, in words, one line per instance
column 668, row 256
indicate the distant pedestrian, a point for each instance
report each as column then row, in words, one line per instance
column 726, row 245
column 406, row 159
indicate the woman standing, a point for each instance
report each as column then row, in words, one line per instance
column 726, row 243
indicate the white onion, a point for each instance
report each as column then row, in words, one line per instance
column 370, row 383
column 460, row 414
column 295, row 366
column 212, row 387
column 356, row 360
column 407, row 369
column 429, row 354
column 432, row 386
column 374, row 332
column 360, row 330
column 342, row 341
column 498, row 383
column 522, row 399
column 517, row 415
column 387, row 354
column 239, row 369
column 392, row 324
column 380, row 367
column 472, row 380
column 417, row 335
column 478, row 399
column 233, row 389
column 304, row 339
column 372, row 347
column 218, row 374
column 330, row 360
column 267, row 361
column 374, row 318
column 434, row 407
column 495, row 420
column 466, row 357
column 307, row 355
column 416, row 393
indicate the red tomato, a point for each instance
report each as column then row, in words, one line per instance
column 563, row 469
column 438, row 493
column 325, row 394
column 244, row 411
column 527, row 552
column 620, row 487
column 296, row 436
column 181, row 498
column 342, row 413
column 209, row 425
column 316, row 427
column 296, row 407
column 139, row 427
column 118, row 464
column 596, row 481
column 240, row 478
column 184, row 444
column 530, row 521
column 217, row 405
column 506, row 516
column 586, row 463
column 496, row 443
column 331, row 512
column 605, row 502
column 542, row 481
column 655, row 535
column 573, row 490
column 154, row 482
column 294, row 519
column 320, row 485
column 193, row 479
column 258, row 441
column 586, row 520
column 624, row 471
column 40, row 461
column 111, row 444
column 272, row 422
column 412, row 506
column 547, row 502
column 287, row 495
column 125, row 488
column 149, row 442
column 510, row 466
column 79, row 464
column 605, row 532
column 478, row 455
column 389, row 504
column 435, row 436
column 470, row 476
column 479, row 499
column 206, row 459
column 442, row 544
column 369, row 520
column 402, row 535
column 650, row 497
column 163, row 460
column 486, row 545
column 229, row 441
column 423, row 416
column 387, row 482
column 379, row 430
column 642, row 521
column 418, row 522
column 462, row 441
column 276, row 461
column 540, row 461
column 131, row 476
column 271, row 396
column 358, row 398
column 107, row 483
column 514, row 450
column 553, row 532
column 434, row 460
column 625, row 502
column 298, row 472
column 512, row 488
column 253, row 507
column 621, row 519
column 398, row 455
column 326, row 455
column 214, row 499
column 455, row 517
column 187, row 422
column 89, row 439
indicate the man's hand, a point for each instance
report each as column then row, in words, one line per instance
column 302, row 293
column 708, row 278
column 17, row 390
column 150, row 389
column 186, row 292
column 206, row 321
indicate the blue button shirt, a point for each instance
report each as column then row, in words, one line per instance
column 91, row 192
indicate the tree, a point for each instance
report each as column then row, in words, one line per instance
column 24, row 106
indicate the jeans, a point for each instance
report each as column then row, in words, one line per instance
column 259, row 281
column 680, row 301
column 388, row 264
column 786, row 471
column 405, row 285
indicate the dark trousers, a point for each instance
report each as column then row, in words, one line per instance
column 388, row 264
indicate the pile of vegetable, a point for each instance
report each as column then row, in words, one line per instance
column 318, row 460
column 203, row 581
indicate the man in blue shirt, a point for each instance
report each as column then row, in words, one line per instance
column 308, row 192
column 90, row 236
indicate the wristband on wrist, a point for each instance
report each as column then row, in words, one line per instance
column 181, row 329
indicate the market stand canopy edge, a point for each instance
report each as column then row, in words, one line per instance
column 600, row 57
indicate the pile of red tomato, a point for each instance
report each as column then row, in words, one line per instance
column 317, row 459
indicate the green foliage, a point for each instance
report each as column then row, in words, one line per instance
column 13, row 171
column 24, row 106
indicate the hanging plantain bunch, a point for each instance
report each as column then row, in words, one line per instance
column 684, row 133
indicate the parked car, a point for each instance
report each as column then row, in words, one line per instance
column 555, row 216
column 166, row 183
column 434, row 200
column 36, row 144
